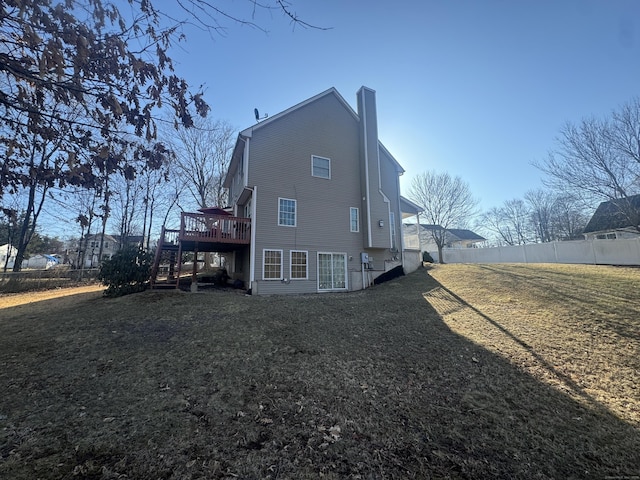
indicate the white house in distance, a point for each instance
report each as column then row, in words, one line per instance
column 454, row 237
column 614, row 220
column 7, row 255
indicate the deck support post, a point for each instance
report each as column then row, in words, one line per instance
column 194, row 275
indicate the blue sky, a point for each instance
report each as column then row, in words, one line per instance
column 478, row 89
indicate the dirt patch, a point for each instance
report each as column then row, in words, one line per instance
column 376, row 384
column 15, row 299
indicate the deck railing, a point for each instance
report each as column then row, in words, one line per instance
column 169, row 237
column 200, row 227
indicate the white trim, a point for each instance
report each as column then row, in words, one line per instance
column 321, row 158
column 346, row 272
column 245, row 160
column 357, row 230
column 306, row 252
column 295, row 213
column 281, row 263
column 393, row 159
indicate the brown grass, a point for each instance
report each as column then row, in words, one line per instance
column 500, row 371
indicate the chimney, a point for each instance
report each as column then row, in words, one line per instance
column 375, row 205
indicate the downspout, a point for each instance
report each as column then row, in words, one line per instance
column 419, row 239
column 252, row 245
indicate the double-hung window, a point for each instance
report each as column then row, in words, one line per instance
column 286, row 212
column 298, row 265
column 320, row 167
column 354, row 219
column 272, row 264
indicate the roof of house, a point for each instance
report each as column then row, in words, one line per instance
column 458, row 233
column 248, row 132
column 464, row 234
column 408, row 208
column 615, row 215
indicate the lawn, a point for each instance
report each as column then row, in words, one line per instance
column 456, row 371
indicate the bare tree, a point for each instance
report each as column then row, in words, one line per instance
column 202, row 155
column 447, row 202
column 599, row 160
column 510, row 222
column 542, row 205
column 82, row 80
column 569, row 218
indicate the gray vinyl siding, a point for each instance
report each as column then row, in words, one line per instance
column 280, row 166
column 391, row 189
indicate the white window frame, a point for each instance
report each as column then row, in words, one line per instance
column 306, row 265
column 295, row 212
column 357, row 219
column 313, row 158
column 264, row 263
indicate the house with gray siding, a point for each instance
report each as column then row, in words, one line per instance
column 322, row 198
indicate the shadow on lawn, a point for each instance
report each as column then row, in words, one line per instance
column 363, row 385
column 578, row 296
column 442, row 295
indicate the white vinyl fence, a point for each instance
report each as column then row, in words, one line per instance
column 623, row 251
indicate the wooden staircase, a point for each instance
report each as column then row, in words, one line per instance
column 168, row 243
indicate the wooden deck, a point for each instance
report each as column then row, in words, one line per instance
column 213, row 233
column 199, row 232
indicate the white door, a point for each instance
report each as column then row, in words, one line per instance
column 332, row 271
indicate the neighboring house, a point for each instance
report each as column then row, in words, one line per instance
column 615, row 219
column 41, row 262
column 454, row 237
column 7, row 255
column 322, row 196
column 110, row 245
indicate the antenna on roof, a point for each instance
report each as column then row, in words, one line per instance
column 257, row 114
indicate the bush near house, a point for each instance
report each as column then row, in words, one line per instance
column 127, row 271
column 426, row 257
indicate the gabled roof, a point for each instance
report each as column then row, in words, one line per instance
column 332, row 91
column 615, row 215
column 458, row 233
column 248, row 132
column 238, row 149
column 464, row 234
column 107, row 237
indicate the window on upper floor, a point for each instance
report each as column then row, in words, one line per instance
column 286, row 212
column 354, row 219
column 320, row 167
column 272, row 264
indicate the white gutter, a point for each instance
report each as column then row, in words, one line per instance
column 252, row 246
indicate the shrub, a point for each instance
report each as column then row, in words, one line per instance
column 126, row 272
column 426, row 257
